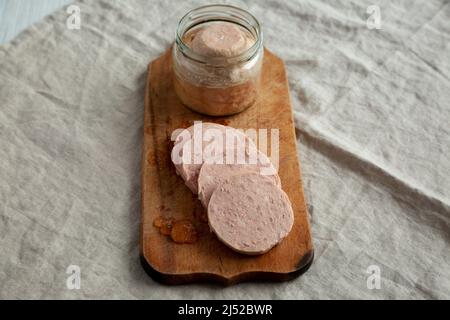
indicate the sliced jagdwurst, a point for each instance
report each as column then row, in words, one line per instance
column 188, row 166
column 180, row 138
column 213, row 175
column 250, row 214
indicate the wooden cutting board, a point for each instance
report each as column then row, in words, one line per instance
column 164, row 192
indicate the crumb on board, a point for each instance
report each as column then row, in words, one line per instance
column 180, row 231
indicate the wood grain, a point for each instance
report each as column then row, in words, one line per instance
column 164, row 193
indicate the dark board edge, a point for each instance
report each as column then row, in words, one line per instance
column 203, row 277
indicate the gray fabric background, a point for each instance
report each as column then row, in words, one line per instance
column 372, row 111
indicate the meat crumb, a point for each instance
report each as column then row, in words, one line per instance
column 181, row 231
column 184, row 231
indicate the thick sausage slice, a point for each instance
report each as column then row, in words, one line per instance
column 212, row 175
column 250, row 214
column 188, row 166
column 189, row 170
column 179, row 133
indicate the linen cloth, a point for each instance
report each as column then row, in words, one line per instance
column 372, row 112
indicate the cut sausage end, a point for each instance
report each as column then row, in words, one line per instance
column 220, row 39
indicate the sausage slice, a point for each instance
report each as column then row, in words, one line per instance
column 212, row 175
column 189, row 170
column 190, row 165
column 250, row 214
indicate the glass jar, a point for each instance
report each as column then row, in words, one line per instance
column 217, row 85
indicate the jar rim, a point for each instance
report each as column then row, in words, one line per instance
column 223, row 12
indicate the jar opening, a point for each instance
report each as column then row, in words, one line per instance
column 219, row 13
